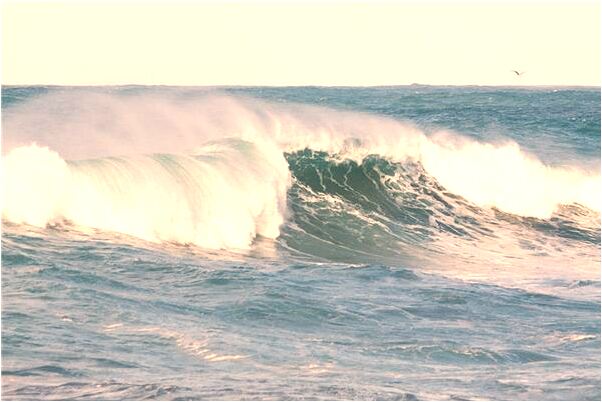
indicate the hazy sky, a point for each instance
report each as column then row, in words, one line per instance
column 303, row 43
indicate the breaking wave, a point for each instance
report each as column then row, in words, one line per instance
column 220, row 171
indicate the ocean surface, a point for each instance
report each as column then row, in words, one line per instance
column 392, row 243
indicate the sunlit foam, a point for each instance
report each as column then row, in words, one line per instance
column 212, row 199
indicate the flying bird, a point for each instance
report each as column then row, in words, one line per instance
column 518, row 73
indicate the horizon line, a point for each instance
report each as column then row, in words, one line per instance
column 305, row 85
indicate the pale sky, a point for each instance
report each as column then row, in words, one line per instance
column 303, row 43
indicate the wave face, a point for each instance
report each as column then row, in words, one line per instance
column 345, row 247
column 378, row 211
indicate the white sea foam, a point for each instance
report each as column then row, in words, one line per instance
column 215, row 199
column 234, row 189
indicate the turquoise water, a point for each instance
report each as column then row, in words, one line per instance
column 301, row 243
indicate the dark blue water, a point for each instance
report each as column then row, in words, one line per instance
column 379, row 283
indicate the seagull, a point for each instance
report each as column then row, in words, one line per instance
column 518, row 73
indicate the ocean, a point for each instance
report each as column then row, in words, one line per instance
column 390, row 243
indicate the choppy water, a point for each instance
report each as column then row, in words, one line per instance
column 301, row 243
